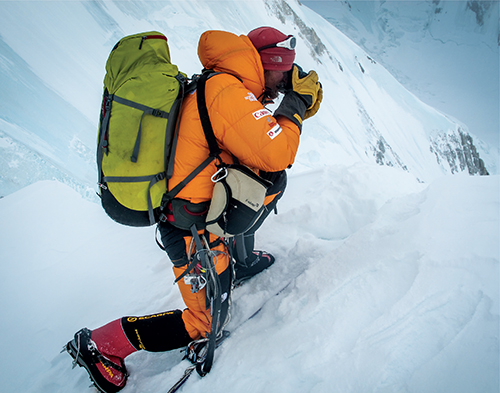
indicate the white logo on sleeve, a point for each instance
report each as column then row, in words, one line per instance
column 274, row 132
column 260, row 113
column 250, row 97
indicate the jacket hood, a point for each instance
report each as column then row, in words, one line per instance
column 226, row 52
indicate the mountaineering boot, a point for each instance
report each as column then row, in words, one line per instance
column 102, row 352
column 248, row 262
column 256, row 262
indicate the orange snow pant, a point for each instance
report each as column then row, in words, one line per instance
column 197, row 318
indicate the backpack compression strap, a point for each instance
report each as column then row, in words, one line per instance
column 146, row 110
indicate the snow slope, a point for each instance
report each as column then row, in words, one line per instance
column 381, row 284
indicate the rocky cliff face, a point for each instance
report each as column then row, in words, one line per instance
column 282, row 10
column 457, row 151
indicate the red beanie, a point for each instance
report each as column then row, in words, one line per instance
column 278, row 59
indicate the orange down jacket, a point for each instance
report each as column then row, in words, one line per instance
column 242, row 126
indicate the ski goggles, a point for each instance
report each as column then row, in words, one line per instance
column 289, row 43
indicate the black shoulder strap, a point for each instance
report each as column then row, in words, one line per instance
column 204, row 117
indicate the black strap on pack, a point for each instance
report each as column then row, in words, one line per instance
column 204, row 117
column 146, row 110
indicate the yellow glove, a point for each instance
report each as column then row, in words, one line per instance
column 303, row 96
column 315, row 107
column 308, row 87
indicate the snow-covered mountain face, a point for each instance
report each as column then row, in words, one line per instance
column 446, row 52
column 52, row 57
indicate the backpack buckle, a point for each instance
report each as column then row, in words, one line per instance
column 158, row 113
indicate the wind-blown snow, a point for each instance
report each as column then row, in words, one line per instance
column 382, row 283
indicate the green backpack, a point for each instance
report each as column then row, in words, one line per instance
column 143, row 92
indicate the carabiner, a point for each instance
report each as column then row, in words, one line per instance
column 217, row 175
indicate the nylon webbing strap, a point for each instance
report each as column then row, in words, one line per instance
column 173, row 149
column 172, row 133
column 205, row 118
column 128, row 179
column 103, row 135
column 172, row 193
column 146, row 110
column 153, row 179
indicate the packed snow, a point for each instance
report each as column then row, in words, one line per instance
column 381, row 284
column 386, row 276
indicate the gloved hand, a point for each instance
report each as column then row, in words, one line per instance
column 315, row 107
column 303, row 96
column 306, row 85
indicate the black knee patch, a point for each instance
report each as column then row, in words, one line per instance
column 173, row 241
